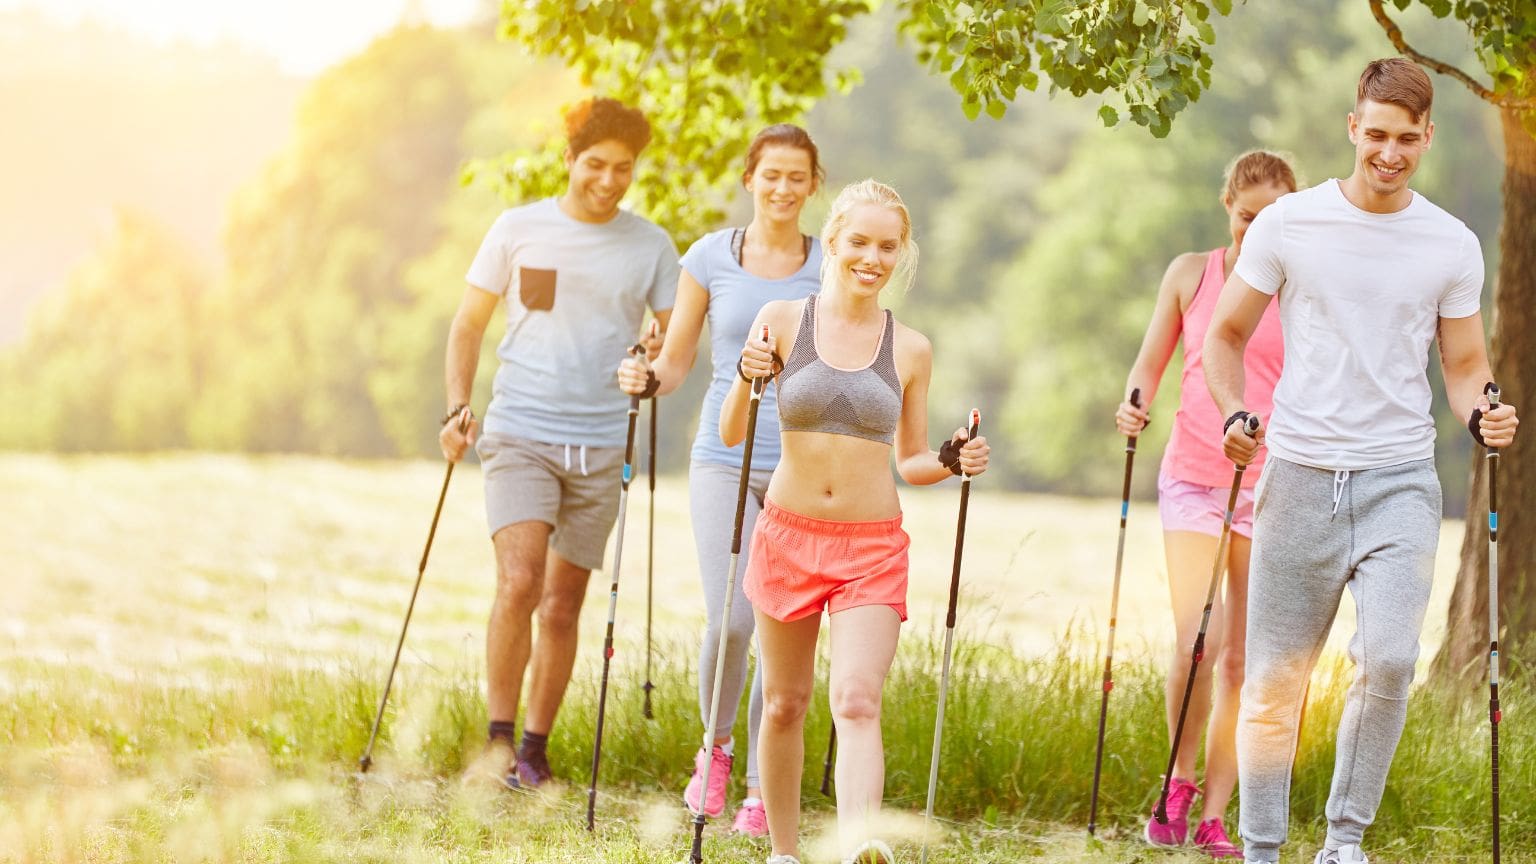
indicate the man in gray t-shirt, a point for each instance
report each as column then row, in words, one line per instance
column 577, row 274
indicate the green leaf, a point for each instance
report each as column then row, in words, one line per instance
column 1223, row 7
column 971, row 106
column 1109, row 115
column 996, row 108
column 1141, row 14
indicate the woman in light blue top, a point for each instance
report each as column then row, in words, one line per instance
column 727, row 276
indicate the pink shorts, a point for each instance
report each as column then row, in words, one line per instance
column 799, row 564
column 1187, row 506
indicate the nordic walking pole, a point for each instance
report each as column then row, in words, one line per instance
column 613, row 596
column 1251, row 427
column 949, row 640
column 1114, row 612
column 1494, row 713
column 696, row 855
column 650, row 551
column 826, row 768
column 366, row 761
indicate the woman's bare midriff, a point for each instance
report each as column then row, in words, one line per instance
column 837, row 477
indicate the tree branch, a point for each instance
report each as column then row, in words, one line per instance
column 1395, row 35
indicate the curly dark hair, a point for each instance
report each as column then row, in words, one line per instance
column 601, row 119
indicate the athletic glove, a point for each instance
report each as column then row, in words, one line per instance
column 652, row 384
column 949, row 455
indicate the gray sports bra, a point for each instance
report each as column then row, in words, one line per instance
column 816, row 397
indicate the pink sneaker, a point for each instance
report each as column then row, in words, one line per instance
column 751, row 819
column 719, row 778
column 1211, row 838
column 1181, row 794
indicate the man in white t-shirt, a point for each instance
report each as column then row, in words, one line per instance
column 577, row 274
column 1368, row 274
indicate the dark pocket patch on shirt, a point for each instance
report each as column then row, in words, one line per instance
column 536, row 288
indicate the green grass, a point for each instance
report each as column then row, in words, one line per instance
column 192, row 649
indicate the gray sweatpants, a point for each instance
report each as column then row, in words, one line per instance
column 712, row 499
column 1315, row 533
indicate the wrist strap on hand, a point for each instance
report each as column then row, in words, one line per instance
column 1237, row 417
column 652, row 384
column 949, row 456
column 454, row 412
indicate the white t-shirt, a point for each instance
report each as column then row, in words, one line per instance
column 1361, row 295
column 576, row 294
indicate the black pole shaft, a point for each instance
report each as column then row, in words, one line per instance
column 1108, row 683
column 826, row 768
column 949, row 640
column 696, row 854
column 650, row 564
column 1198, row 652
column 613, row 604
column 366, row 761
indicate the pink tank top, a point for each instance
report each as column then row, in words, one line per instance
column 1194, row 444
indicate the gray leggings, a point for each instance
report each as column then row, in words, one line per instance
column 712, row 492
column 1315, row 533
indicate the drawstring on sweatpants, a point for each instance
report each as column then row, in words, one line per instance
column 1339, row 479
column 581, row 455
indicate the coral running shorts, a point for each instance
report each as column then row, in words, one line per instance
column 800, row 564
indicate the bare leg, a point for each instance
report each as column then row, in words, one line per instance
column 863, row 644
column 1190, row 556
column 565, row 587
column 788, row 655
column 520, row 550
column 1221, row 737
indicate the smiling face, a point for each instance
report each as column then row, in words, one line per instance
column 867, row 248
column 1388, row 144
column 600, row 175
column 781, row 181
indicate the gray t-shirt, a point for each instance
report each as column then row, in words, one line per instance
column 576, row 295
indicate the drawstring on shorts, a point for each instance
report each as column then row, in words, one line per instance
column 581, row 455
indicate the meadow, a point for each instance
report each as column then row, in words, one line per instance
column 192, row 647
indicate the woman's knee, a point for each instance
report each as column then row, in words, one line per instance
column 784, row 707
column 857, row 699
column 1229, row 669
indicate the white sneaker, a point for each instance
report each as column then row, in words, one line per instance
column 1350, row 854
column 783, row 859
column 871, row 852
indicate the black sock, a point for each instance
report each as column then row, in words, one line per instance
column 532, row 744
column 506, row 730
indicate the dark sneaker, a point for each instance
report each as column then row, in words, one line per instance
column 532, row 770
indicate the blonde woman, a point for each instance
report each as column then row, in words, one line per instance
column 852, row 392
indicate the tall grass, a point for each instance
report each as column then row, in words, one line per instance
column 253, row 762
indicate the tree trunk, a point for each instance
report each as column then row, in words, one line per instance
column 1463, row 656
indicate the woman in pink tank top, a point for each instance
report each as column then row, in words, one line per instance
column 1193, row 486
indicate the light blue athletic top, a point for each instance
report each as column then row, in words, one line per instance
column 576, row 293
column 735, row 297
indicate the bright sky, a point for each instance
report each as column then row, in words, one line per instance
column 304, row 36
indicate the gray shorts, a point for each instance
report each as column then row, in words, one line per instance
column 573, row 489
